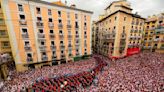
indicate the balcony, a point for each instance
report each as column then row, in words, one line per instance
column 69, row 26
column 152, row 28
column 147, row 47
column 6, row 47
column 69, row 36
column 77, row 44
column 4, row 36
column 85, row 45
column 29, row 59
column 61, row 36
column 156, row 40
column 69, row 46
column 25, row 35
column 62, row 56
column 85, row 27
column 27, row 48
column 52, row 36
column 62, row 47
column 77, row 35
column 51, row 25
column 44, row 58
column 41, row 35
column 85, row 36
column 160, row 30
column 162, row 47
column 42, row 48
column 77, row 27
column 39, row 24
column 54, row 57
column 53, row 47
column 60, row 26
column 154, row 47
column 22, row 22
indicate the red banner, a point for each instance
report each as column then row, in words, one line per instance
column 131, row 51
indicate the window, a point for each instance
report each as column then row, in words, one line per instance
column 68, row 22
column 52, row 43
column 22, row 17
column 40, row 30
column 49, row 12
column 1, row 21
column 20, row 7
column 27, row 43
column 59, row 13
column 123, row 27
column 85, row 24
column 85, row 18
column 76, row 32
column 39, row 19
column 60, row 32
column 68, row 15
column 115, row 18
column 76, row 24
column 76, row 16
column 51, row 31
column 61, row 42
column 24, row 30
column 38, row 10
column 157, row 37
column 50, row 20
column 29, row 55
column 124, row 18
column 42, row 43
column 5, row 43
column 60, row 21
column 85, row 32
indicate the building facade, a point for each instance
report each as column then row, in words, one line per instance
column 4, row 39
column 154, row 33
column 43, row 33
column 120, row 31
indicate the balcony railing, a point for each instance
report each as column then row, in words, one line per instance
column 60, row 25
column 54, row 57
column 69, row 26
column 156, row 40
column 69, row 36
column 152, row 28
column 44, row 58
column 77, row 35
column 85, row 36
column 52, row 35
column 53, row 47
column 69, row 45
column 85, row 27
column 77, row 27
column 42, row 48
column 51, row 25
column 41, row 35
column 39, row 24
column 62, row 46
column 25, row 35
column 4, row 36
column 27, row 48
column 62, row 56
column 29, row 59
column 23, row 22
column 61, row 36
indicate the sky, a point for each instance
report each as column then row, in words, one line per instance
column 144, row 8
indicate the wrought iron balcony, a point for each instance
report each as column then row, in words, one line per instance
column 61, row 36
column 60, row 25
column 76, row 27
column 62, row 56
column 29, row 59
column 70, row 45
column 39, row 24
column 69, row 26
column 53, row 47
column 54, row 57
column 156, row 40
column 25, row 35
column 85, row 27
column 44, row 58
column 23, row 22
column 51, row 25
column 69, row 36
column 62, row 46
column 77, row 35
column 27, row 48
column 85, row 36
column 42, row 48
column 52, row 35
column 41, row 35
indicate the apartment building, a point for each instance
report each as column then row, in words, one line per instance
column 154, row 33
column 43, row 33
column 4, row 39
column 120, row 31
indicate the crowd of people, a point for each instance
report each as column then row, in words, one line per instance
column 24, row 80
column 138, row 73
column 142, row 72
